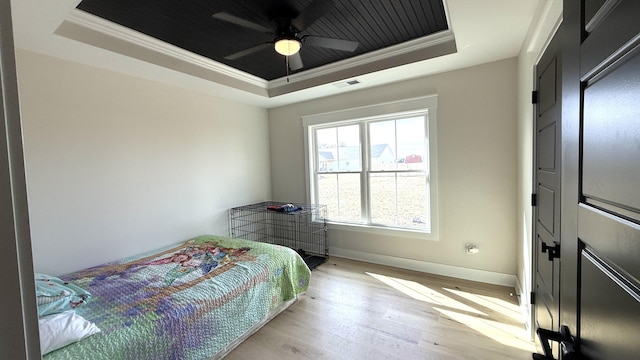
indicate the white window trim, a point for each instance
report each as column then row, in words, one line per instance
column 428, row 103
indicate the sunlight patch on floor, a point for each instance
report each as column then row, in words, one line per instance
column 504, row 307
column 469, row 315
column 423, row 293
column 509, row 335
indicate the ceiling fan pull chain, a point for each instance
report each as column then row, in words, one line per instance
column 287, row 65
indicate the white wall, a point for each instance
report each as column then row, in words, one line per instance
column 477, row 152
column 118, row 165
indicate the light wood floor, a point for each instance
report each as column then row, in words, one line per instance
column 356, row 310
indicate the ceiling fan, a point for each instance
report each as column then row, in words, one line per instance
column 288, row 24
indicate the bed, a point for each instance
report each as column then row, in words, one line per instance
column 195, row 300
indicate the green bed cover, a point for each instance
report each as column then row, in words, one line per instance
column 188, row 301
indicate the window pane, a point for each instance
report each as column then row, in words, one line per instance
column 326, row 141
column 349, row 148
column 399, row 199
column 383, row 200
column 411, row 143
column 397, row 144
column 341, row 194
column 338, row 149
column 382, row 149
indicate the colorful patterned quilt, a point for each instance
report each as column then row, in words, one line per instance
column 189, row 301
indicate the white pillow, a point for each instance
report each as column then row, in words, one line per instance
column 62, row 329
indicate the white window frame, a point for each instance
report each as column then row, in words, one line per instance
column 426, row 104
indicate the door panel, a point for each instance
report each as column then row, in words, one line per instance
column 607, row 32
column 591, row 7
column 612, row 237
column 547, row 81
column 611, row 132
column 609, row 330
column 546, row 210
column 547, row 147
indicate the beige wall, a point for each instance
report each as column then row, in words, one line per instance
column 117, row 165
column 477, row 149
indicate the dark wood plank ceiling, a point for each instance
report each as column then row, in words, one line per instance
column 189, row 25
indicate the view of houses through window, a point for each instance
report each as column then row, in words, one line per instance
column 374, row 171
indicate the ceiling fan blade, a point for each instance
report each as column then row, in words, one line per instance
column 248, row 51
column 241, row 22
column 312, row 13
column 330, row 43
column 295, row 61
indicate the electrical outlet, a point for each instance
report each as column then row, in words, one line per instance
column 471, row 248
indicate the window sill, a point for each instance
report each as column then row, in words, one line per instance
column 378, row 230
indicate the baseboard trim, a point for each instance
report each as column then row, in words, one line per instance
column 525, row 306
column 484, row 276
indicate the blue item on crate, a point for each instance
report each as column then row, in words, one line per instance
column 284, row 208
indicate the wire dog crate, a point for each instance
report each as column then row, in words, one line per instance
column 304, row 230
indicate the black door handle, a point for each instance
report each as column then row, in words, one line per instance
column 563, row 337
column 553, row 251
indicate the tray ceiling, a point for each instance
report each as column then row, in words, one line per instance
column 189, row 25
column 477, row 32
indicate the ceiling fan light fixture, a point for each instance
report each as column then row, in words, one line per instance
column 287, row 46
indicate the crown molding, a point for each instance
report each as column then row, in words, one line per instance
column 399, row 50
column 377, row 62
column 78, row 24
column 89, row 21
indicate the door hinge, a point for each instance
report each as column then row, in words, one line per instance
column 532, row 300
column 534, row 200
column 534, row 97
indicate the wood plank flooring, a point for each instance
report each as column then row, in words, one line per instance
column 356, row 310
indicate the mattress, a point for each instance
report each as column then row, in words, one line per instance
column 195, row 300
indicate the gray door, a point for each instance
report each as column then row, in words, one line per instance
column 609, row 204
column 19, row 317
column 600, row 295
column 548, row 113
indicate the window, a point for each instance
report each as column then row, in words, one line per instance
column 374, row 166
